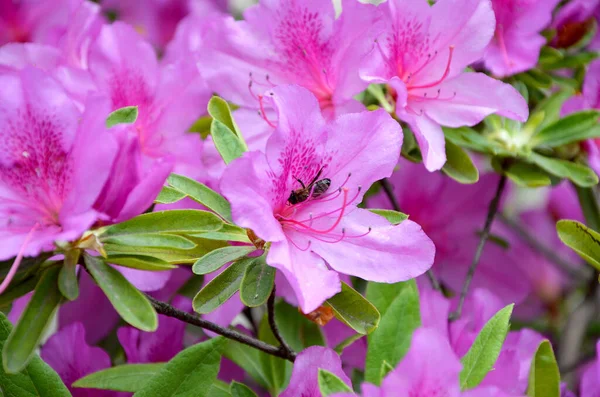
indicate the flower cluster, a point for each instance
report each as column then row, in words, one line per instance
column 376, row 198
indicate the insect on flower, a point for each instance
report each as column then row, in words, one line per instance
column 313, row 190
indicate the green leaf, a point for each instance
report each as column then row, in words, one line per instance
column 536, row 78
column 550, row 108
column 248, row 359
column 399, row 307
column 37, row 379
column 140, row 262
column 126, row 377
column 572, row 128
column 240, row 390
column 220, row 110
column 394, row 217
column 157, row 240
column 126, row 115
column 544, row 378
column 354, row 310
column 581, row 239
column 221, row 288
column 572, row 61
column 67, row 278
column 219, row 389
column 201, row 194
column 25, row 337
column 189, row 374
column 579, row 174
column 168, row 195
column 330, row 384
column 277, row 370
column 339, row 348
column 228, row 144
column 216, row 259
column 466, row 137
column 298, row 331
column 173, row 221
column 484, row 352
column 226, row 233
column 527, row 175
column 257, row 283
column 459, row 165
column 130, row 303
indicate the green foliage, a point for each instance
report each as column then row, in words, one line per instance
column 258, row 282
column 221, row 288
column 240, row 390
column 190, row 373
column 226, row 136
column 459, row 165
column 130, row 303
column 351, row 308
column 572, row 128
column 126, row 377
column 544, row 378
column 394, row 217
column 330, row 384
column 24, row 339
column 67, row 278
column 37, row 378
column 216, row 259
column 484, row 352
column 400, row 317
column 581, row 239
column 201, row 194
column 126, row 115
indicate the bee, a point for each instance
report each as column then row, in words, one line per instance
column 317, row 186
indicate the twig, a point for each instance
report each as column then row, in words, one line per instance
column 485, row 234
column 546, row 251
column 389, row 192
column 170, row 311
column 271, row 316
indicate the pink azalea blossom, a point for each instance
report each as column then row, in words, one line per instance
column 572, row 23
column 428, row 198
column 68, row 353
column 422, row 56
column 304, row 381
column 54, row 163
column 517, row 41
column 590, row 380
column 312, row 240
column 170, row 97
column 291, row 42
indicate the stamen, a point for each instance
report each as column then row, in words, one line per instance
column 262, row 111
column 296, row 245
column 18, row 259
column 446, row 72
column 361, row 235
column 250, row 89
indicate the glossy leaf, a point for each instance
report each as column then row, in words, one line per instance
column 484, row 352
column 394, row 217
column 240, row 390
column 126, row 377
column 140, row 262
column 226, row 233
column 298, row 331
column 38, row 379
column 189, row 374
column 248, row 359
column 168, row 195
column 581, row 239
column 221, row 288
column 572, row 128
column 174, row 221
column 398, row 305
column 544, row 378
column 130, row 303
column 24, row 339
column 527, row 175
column 125, row 115
column 219, row 110
column 228, row 144
column 459, row 165
column 201, row 194
column 579, row 174
column 330, row 384
column 67, row 278
column 354, row 310
column 156, row 240
column 257, row 283
column 216, row 259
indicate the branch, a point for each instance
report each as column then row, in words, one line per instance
column 492, row 211
column 170, row 311
column 389, row 192
column 546, row 251
column 271, row 316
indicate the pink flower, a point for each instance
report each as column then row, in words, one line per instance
column 572, row 23
column 517, row 41
column 68, row 353
column 54, row 162
column 324, row 229
column 304, row 381
column 427, row 198
column 590, row 380
column 291, row 42
column 422, row 55
column 170, row 97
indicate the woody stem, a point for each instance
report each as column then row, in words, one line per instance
column 273, row 324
